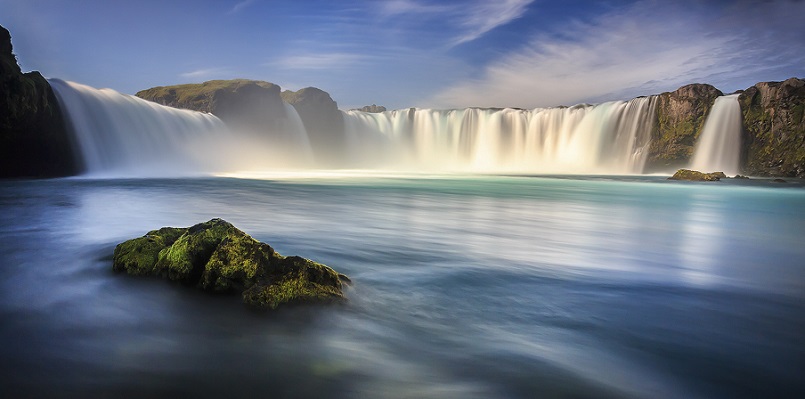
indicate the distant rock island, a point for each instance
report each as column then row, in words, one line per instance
column 34, row 141
column 217, row 257
column 371, row 108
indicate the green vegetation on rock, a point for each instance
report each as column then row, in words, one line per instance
column 774, row 128
column 250, row 105
column 680, row 119
column 217, row 257
column 695, row 175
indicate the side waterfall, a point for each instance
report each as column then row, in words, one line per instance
column 719, row 146
column 611, row 138
column 122, row 135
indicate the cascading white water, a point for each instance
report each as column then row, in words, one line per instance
column 719, row 145
column 611, row 137
column 122, row 135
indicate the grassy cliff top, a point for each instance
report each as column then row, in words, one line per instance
column 188, row 92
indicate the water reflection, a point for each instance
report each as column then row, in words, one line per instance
column 483, row 287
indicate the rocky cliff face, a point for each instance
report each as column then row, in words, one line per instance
column 680, row 119
column 34, row 141
column 371, row 108
column 774, row 128
column 323, row 121
column 242, row 104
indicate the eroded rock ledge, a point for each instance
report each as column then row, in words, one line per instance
column 217, row 257
column 695, row 175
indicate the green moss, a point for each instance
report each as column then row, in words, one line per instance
column 186, row 258
column 139, row 256
column 236, row 264
column 199, row 92
column 218, row 257
column 294, row 288
column 694, row 175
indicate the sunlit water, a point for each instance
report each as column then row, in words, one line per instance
column 464, row 287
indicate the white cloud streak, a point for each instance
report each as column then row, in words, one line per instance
column 240, row 6
column 641, row 50
column 484, row 16
column 471, row 20
column 319, row 61
column 205, row 73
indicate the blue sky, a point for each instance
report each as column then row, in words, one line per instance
column 403, row 53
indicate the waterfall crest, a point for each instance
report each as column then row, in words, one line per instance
column 611, row 137
column 719, row 145
column 122, row 135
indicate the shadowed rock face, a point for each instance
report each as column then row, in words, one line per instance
column 774, row 128
column 323, row 121
column 680, row 118
column 371, row 108
column 249, row 105
column 34, row 141
column 217, row 257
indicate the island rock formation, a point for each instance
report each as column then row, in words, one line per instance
column 695, row 175
column 217, row 257
column 375, row 109
column 34, row 141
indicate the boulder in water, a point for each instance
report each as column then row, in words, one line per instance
column 217, row 257
column 695, row 175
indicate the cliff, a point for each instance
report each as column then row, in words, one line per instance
column 34, row 141
column 680, row 119
column 323, row 121
column 242, row 104
column 774, row 128
column 371, row 108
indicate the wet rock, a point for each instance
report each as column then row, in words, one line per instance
column 695, row 175
column 217, row 257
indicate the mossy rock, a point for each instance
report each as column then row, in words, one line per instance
column 695, row 175
column 217, row 257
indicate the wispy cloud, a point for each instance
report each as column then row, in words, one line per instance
column 484, row 16
column 319, row 61
column 464, row 22
column 205, row 73
column 637, row 51
column 240, row 6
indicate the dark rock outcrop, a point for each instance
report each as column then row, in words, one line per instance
column 371, row 108
column 34, row 140
column 695, row 175
column 680, row 118
column 217, row 257
column 323, row 121
column 774, row 128
column 251, row 105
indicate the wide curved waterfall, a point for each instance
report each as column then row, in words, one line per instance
column 122, row 135
column 611, row 137
column 718, row 148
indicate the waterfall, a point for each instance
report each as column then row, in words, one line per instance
column 719, row 145
column 611, row 137
column 122, row 135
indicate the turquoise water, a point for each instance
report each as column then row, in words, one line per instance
column 464, row 287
